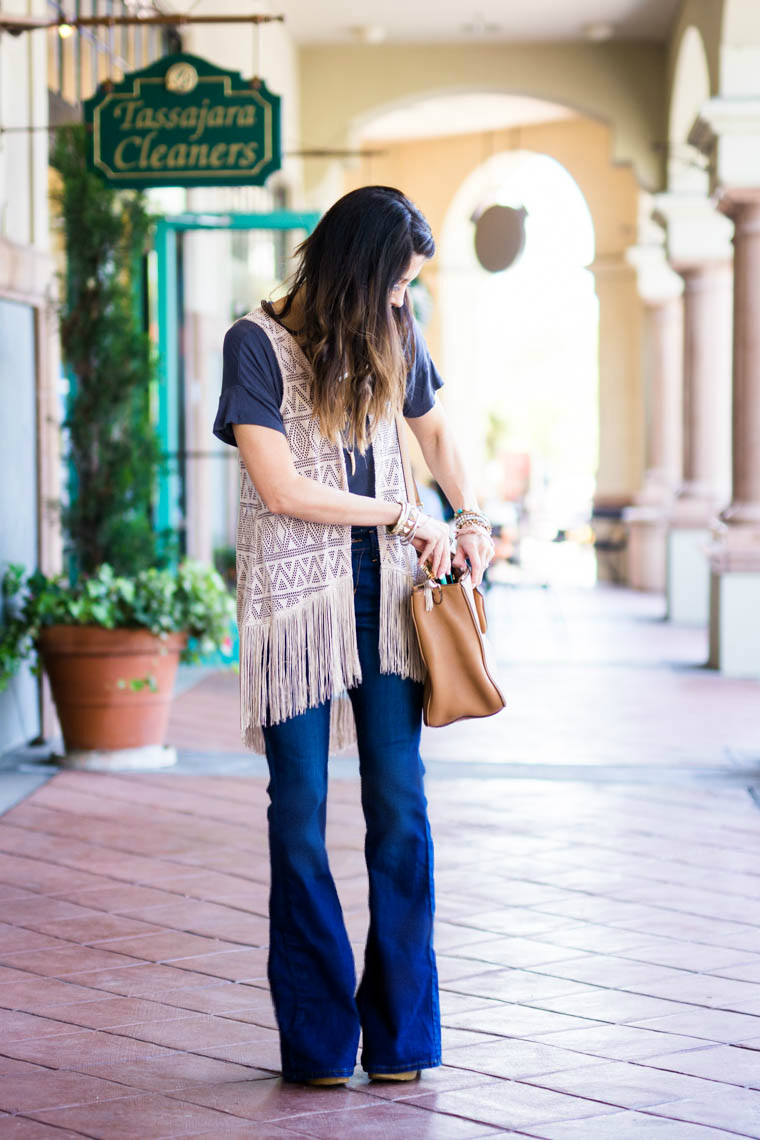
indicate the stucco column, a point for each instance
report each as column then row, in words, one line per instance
column 647, row 519
column 744, row 508
column 664, row 321
column 735, row 553
column 621, row 404
column 727, row 131
column 706, row 372
column 621, row 414
column 698, row 240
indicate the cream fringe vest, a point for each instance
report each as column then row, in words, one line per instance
column 295, row 593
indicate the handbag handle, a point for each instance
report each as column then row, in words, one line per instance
column 410, row 483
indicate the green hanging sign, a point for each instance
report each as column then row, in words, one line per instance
column 184, row 122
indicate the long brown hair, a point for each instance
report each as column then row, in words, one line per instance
column 360, row 347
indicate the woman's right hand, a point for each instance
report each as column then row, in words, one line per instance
column 432, row 541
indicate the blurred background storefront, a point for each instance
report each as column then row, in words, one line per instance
column 591, row 380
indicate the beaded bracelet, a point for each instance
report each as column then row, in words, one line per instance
column 464, row 518
column 475, row 524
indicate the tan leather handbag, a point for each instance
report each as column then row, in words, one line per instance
column 450, row 621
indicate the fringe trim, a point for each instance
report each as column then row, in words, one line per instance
column 342, row 727
column 279, row 678
column 342, row 723
column 399, row 647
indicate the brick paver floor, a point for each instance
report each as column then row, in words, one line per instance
column 598, row 914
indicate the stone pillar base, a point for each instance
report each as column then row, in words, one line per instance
column 694, row 512
column 118, row 759
column 735, row 623
column 647, row 544
column 688, row 575
column 735, row 599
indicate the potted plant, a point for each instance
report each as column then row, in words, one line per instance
column 110, row 646
column 110, row 631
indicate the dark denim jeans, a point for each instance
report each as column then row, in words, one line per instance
column 311, row 969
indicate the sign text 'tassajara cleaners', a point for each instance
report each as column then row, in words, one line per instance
column 184, row 122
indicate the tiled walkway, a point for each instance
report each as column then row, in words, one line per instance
column 598, row 933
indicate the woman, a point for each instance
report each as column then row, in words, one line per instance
column 328, row 550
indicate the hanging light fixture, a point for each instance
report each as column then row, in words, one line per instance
column 499, row 236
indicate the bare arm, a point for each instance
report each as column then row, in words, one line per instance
column 267, row 458
column 444, row 459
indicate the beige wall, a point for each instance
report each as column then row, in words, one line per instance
column 23, row 154
column 431, row 171
column 622, row 84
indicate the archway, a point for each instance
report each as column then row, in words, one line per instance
column 622, row 87
column 521, row 346
column 433, row 169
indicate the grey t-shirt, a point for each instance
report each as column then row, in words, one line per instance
column 252, row 392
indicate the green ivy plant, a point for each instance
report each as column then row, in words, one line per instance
column 113, row 448
column 193, row 599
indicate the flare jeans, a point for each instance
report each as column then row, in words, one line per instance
column 319, row 1011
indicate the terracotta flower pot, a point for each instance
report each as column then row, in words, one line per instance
column 112, row 687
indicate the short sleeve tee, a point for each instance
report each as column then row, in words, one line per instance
column 252, row 392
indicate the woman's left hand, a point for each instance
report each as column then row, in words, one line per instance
column 476, row 546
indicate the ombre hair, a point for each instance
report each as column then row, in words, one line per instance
column 360, row 347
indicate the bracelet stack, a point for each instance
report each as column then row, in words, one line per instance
column 466, row 519
column 407, row 522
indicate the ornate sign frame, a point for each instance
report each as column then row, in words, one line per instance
column 182, row 121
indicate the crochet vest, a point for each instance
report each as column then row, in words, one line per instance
column 295, row 593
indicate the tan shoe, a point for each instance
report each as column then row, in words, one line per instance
column 328, row 1081
column 411, row 1076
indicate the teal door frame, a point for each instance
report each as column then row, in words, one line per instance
column 164, row 318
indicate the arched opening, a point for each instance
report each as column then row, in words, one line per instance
column 691, row 87
column 433, row 115
column 521, row 352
